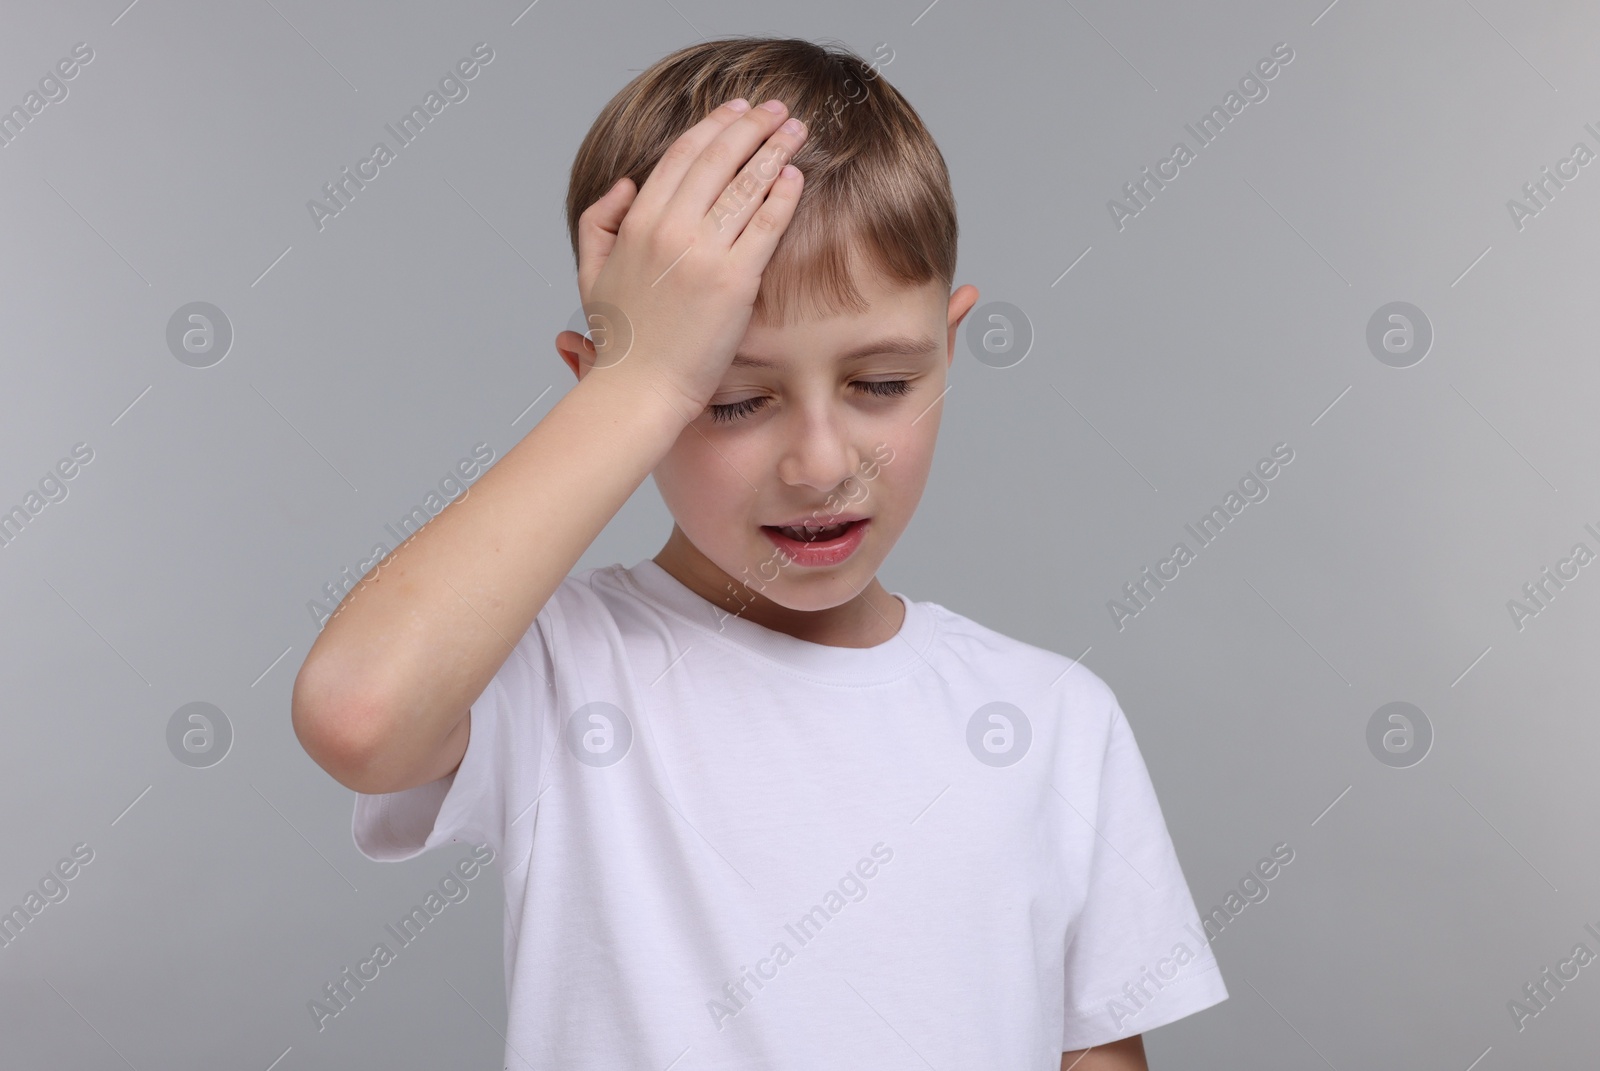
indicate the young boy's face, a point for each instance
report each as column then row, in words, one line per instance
column 822, row 437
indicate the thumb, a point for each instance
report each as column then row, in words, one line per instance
column 597, row 227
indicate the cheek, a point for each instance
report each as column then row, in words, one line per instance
column 695, row 481
column 895, row 472
column 912, row 459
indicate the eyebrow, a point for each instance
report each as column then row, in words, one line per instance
column 897, row 345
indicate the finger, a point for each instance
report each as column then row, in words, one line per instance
column 744, row 195
column 662, row 184
column 597, row 229
column 714, row 171
column 755, row 244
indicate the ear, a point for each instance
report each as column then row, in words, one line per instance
column 961, row 303
column 577, row 351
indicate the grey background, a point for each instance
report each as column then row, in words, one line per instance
column 1228, row 316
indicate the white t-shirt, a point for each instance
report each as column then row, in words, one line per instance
column 725, row 847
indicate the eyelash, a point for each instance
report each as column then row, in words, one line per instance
column 738, row 410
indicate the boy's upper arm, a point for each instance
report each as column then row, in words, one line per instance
column 448, row 758
column 437, row 763
column 1124, row 1055
column 484, row 771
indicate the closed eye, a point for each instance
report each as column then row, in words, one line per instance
column 738, row 410
column 886, row 387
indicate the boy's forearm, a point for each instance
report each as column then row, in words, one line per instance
column 410, row 648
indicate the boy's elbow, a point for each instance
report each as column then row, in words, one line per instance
column 334, row 726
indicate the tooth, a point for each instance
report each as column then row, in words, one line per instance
column 810, row 532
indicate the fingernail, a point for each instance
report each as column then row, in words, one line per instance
column 774, row 105
column 790, row 126
column 739, row 104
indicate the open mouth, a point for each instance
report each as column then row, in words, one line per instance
column 818, row 544
column 813, row 533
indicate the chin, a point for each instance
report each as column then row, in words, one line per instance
column 815, row 590
column 812, row 597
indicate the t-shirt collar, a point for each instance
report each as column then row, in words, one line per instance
column 899, row 654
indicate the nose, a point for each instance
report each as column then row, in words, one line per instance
column 819, row 452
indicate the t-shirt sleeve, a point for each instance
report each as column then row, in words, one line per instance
column 478, row 801
column 1136, row 957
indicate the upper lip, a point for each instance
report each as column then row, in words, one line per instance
column 811, row 521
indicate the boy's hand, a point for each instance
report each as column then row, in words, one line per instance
column 668, row 273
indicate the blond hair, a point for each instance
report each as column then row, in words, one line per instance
column 876, row 192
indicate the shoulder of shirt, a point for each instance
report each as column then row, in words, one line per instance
column 586, row 581
column 583, row 594
column 977, row 645
column 603, row 591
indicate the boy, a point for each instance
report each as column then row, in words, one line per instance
column 754, row 810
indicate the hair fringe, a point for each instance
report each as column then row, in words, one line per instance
column 877, row 192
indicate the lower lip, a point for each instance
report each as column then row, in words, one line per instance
column 820, row 553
